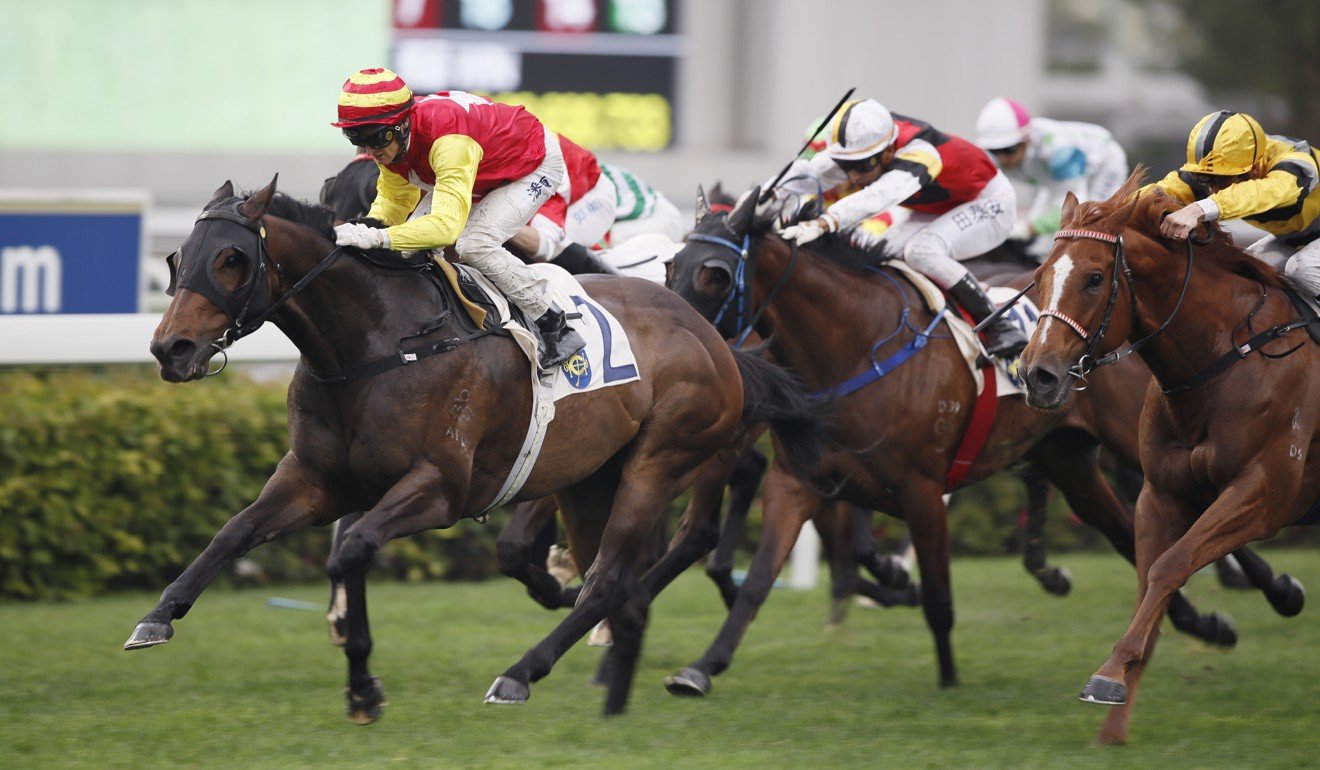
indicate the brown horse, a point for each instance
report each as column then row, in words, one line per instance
column 828, row 321
column 419, row 429
column 1227, row 436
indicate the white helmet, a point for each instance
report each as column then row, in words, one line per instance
column 864, row 128
column 1001, row 124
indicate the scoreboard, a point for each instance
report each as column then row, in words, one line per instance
column 602, row 72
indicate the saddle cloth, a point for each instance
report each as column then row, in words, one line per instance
column 1024, row 314
column 607, row 359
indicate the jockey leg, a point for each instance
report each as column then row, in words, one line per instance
column 1272, row 252
column 1303, row 269
column 494, row 219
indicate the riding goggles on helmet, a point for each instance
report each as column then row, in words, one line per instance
column 372, row 137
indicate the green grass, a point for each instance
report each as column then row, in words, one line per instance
column 245, row 685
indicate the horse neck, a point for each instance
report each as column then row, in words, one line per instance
column 1202, row 329
column 822, row 323
column 349, row 314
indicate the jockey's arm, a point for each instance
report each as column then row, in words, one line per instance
column 912, row 169
column 1282, row 186
column 810, row 176
column 454, row 159
column 395, row 199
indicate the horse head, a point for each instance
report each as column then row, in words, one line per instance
column 714, row 270
column 223, row 281
column 1087, row 299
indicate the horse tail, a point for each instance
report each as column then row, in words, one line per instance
column 773, row 394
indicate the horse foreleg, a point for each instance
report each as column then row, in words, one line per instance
column 520, row 557
column 786, row 505
column 289, row 501
column 921, row 501
column 1055, row 580
column 743, row 486
column 889, row 570
column 417, row 502
column 1166, row 558
column 698, row 529
column 334, row 614
column 1285, row 592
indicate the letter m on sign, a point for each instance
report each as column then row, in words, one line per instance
column 30, row 279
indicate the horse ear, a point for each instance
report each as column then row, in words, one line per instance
column 740, row 220
column 259, row 202
column 222, row 192
column 703, row 206
column 1069, row 207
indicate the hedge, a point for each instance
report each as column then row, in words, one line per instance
column 111, row 478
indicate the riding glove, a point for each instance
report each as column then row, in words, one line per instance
column 361, row 236
column 806, row 232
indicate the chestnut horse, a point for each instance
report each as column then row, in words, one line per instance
column 424, row 443
column 1226, row 436
column 894, row 438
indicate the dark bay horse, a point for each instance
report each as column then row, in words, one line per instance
column 424, row 444
column 893, row 440
column 1230, row 425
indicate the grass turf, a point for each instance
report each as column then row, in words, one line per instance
column 247, row 685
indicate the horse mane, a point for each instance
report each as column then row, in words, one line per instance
column 312, row 215
column 1142, row 210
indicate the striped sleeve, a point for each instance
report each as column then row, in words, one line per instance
column 1281, row 192
column 1173, row 186
column 454, row 158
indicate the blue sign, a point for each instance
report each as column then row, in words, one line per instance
column 70, row 258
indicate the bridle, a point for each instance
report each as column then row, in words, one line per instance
column 249, row 306
column 742, row 273
column 1089, row 362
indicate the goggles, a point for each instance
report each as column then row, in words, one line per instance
column 372, row 137
column 1005, row 150
column 859, row 166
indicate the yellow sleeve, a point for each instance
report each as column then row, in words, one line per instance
column 1173, row 186
column 919, row 159
column 454, row 159
column 396, row 198
column 1280, row 187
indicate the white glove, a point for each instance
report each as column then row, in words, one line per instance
column 1022, row 231
column 806, row 232
column 361, row 236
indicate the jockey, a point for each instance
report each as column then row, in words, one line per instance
column 871, row 230
column 462, row 148
column 961, row 205
column 1235, row 171
column 1053, row 157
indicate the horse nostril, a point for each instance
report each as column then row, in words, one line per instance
column 180, row 350
column 1041, row 379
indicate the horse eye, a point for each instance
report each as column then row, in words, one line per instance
column 1094, row 280
column 234, row 259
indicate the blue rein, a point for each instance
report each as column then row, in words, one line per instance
column 738, row 291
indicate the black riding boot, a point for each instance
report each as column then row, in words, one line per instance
column 1003, row 337
column 558, row 340
column 578, row 259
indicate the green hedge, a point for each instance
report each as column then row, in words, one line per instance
column 114, row 479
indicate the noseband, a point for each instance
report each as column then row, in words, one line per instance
column 1089, row 362
column 743, row 275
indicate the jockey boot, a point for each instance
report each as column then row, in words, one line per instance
column 578, row 259
column 1003, row 337
column 559, row 341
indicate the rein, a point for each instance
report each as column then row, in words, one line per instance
column 744, row 275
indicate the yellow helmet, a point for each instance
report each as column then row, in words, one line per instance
column 1224, row 144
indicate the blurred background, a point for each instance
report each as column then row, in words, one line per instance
column 121, row 118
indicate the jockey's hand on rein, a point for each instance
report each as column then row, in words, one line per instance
column 806, row 232
column 1179, row 224
column 361, row 236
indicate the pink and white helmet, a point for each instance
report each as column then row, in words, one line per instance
column 1002, row 123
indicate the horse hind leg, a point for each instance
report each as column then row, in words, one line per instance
column 338, row 608
column 366, row 696
column 522, row 549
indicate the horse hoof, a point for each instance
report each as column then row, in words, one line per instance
column 1287, row 595
column 1105, row 691
column 508, row 690
column 365, row 707
column 689, row 682
column 1057, row 581
column 1221, row 631
column 149, row 634
column 913, row 598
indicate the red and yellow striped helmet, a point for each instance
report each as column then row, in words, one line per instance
column 373, row 96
